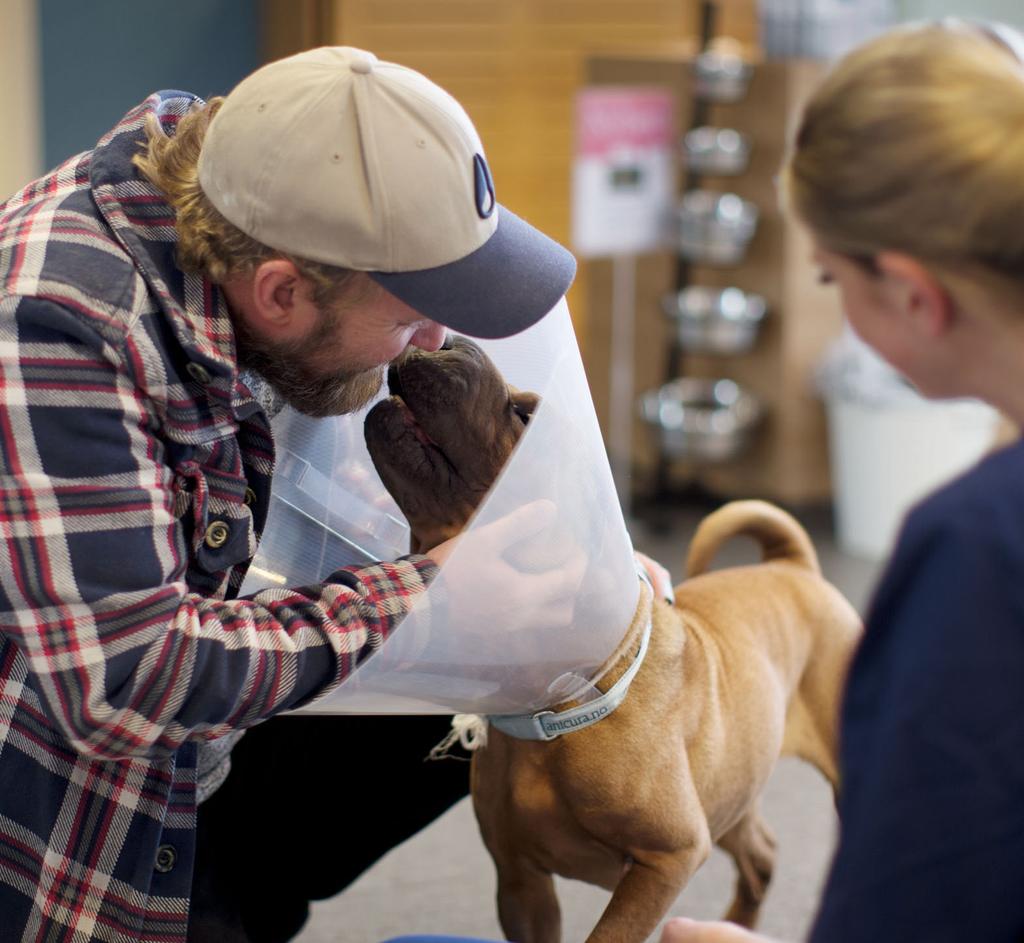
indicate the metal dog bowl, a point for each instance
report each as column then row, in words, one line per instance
column 722, row 76
column 719, row 151
column 702, row 420
column 714, row 228
column 715, row 320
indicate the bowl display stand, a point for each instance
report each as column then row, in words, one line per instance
column 787, row 460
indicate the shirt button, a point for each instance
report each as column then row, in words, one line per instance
column 166, row 859
column 250, row 497
column 198, row 372
column 217, row 535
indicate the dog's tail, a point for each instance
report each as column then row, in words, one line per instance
column 780, row 535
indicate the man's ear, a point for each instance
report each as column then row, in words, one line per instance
column 916, row 293
column 282, row 299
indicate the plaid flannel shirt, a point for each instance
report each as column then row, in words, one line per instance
column 135, row 479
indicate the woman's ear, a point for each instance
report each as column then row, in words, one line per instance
column 915, row 293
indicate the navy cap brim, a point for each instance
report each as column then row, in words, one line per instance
column 500, row 289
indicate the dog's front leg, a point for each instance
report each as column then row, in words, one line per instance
column 646, row 892
column 527, row 905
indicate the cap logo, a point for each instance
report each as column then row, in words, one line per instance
column 483, row 187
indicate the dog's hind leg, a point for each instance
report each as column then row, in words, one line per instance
column 812, row 736
column 527, row 905
column 752, row 846
column 812, row 719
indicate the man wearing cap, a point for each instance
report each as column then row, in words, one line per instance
column 162, row 296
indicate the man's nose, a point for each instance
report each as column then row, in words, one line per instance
column 430, row 337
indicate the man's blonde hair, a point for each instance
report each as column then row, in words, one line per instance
column 915, row 143
column 207, row 243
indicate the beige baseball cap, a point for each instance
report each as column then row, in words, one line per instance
column 338, row 157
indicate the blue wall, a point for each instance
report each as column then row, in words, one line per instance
column 99, row 58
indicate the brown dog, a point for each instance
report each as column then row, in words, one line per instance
column 747, row 664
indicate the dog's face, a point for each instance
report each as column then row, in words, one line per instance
column 443, row 435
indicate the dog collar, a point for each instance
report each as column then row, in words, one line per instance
column 548, row 725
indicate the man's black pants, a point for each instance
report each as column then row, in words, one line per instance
column 311, row 803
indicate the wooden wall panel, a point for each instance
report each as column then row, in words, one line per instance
column 289, row 26
column 20, row 130
column 515, row 65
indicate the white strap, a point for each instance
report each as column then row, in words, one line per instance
column 547, row 725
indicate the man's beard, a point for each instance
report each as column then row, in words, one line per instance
column 285, row 365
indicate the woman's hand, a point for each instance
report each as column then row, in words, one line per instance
column 684, row 930
column 660, row 578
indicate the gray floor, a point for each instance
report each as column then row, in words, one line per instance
column 442, row 880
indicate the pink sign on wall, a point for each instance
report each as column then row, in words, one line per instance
column 610, row 117
column 623, row 172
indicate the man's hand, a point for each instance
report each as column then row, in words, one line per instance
column 684, row 930
column 514, row 571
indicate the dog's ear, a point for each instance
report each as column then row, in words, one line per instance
column 523, row 403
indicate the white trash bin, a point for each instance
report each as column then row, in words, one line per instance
column 886, row 458
column 889, row 446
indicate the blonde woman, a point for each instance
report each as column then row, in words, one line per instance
column 908, row 170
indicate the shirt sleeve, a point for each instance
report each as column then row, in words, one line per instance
column 125, row 659
column 932, row 819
